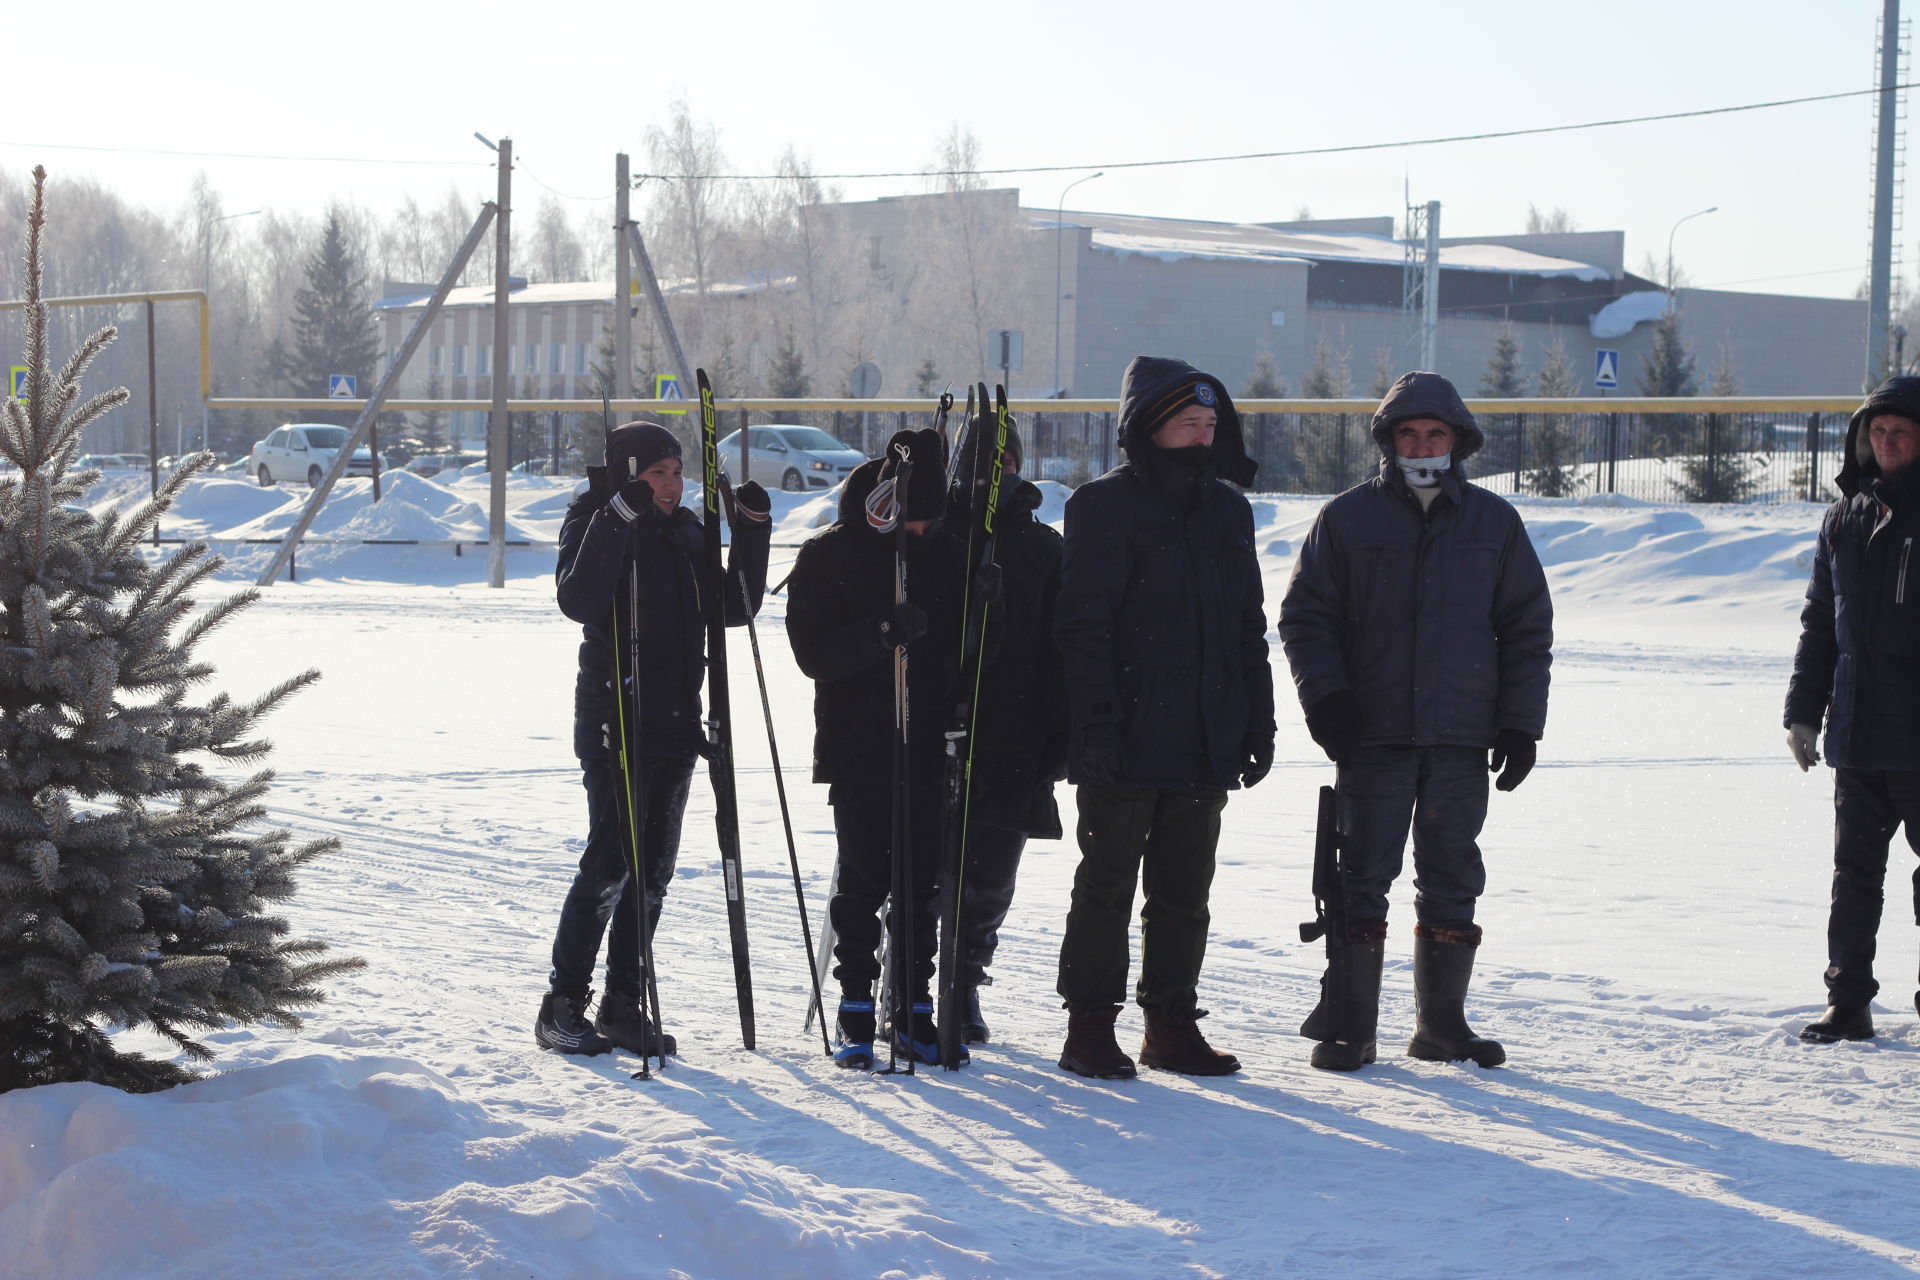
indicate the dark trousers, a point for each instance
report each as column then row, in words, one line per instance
column 603, row 886
column 1441, row 792
column 1164, row 840
column 863, row 827
column 1867, row 805
column 986, row 895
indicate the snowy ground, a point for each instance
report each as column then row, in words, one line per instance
column 1654, row 939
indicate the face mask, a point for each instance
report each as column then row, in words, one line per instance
column 1193, row 455
column 1424, row 473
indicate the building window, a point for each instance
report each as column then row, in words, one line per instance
column 433, row 360
column 460, row 361
column 580, row 357
column 483, row 360
column 559, row 355
column 533, row 357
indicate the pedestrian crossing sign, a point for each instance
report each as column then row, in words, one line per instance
column 666, row 386
column 1606, row 369
column 17, row 381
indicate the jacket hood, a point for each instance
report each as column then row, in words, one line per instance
column 1899, row 395
column 1426, row 395
column 1152, row 383
column 855, row 491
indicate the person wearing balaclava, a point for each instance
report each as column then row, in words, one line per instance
column 1420, row 633
column 629, row 549
column 1163, row 641
column 1857, row 669
column 844, row 626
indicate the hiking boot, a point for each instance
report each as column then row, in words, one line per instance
column 855, row 1026
column 1091, row 1049
column 1173, row 1043
column 1840, row 1022
column 1347, row 1019
column 619, row 1019
column 1442, row 971
column 563, row 1027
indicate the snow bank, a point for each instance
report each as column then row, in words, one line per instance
column 1617, row 318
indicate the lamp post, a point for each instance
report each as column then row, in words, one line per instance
column 1676, row 226
column 206, row 287
column 1059, row 216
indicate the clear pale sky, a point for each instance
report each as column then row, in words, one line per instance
column 865, row 87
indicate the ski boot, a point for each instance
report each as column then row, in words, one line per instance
column 1842, row 1022
column 1442, row 969
column 563, row 1027
column 920, row 1038
column 619, row 1019
column 855, row 1025
column 1346, row 1021
column 1091, row 1049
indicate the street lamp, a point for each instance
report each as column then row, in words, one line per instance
column 206, row 287
column 1676, row 226
column 1059, row 216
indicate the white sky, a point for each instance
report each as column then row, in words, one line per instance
column 864, row 87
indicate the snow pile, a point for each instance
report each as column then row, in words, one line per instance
column 1617, row 318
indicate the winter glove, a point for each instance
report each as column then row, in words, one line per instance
column 1334, row 722
column 1099, row 758
column 1514, row 752
column 907, row 623
column 751, row 506
column 633, row 502
column 1804, row 741
column 989, row 584
column 1256, row 758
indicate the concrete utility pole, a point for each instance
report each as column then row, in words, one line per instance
column 1880, row 274
column 1060, row 217
column 622, row 282
column 1430, row 313
column 502, row 375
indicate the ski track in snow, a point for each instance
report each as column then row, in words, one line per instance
column 1654, row 939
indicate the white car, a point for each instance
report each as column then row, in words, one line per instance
column 304, row 451
column 795, row 458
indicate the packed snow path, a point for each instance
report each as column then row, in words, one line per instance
column 1654, row 939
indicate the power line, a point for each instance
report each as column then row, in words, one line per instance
column 244, row 155
column 1274, row 155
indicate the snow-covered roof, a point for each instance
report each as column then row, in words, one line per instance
column 575, row 291
column 1617, row 318
column 1173, row 238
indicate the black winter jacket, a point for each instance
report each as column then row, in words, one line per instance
column 1438, row 622
column 599, row 556
column 841, row 589
column 1022, row 716
column 1858, row 660
column 1160, row 621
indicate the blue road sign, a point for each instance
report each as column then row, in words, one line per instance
column 666, row 386
column 1606, row 369
column 340, row 386
column 17, row 382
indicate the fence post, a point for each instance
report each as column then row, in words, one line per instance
column 1613, row 453
column 1813, row 457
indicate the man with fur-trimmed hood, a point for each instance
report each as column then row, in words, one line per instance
column 1857, row 668
column 1419, row 631
column 1164, row 644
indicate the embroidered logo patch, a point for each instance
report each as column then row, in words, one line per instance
column 1204, row 394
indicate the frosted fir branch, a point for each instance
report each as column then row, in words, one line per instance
column 84, row 416
column 214, row 617
column 144, row 517
column 273, row 697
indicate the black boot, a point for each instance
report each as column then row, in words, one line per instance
column 1841, row 1022
column 619, row 1019
column 855, row 1025
column 918, row 1036
column 562, row 1026
column 1091, row 1049
column 973, row 1027
column 1442, row 971
column 1173, row 1043
column 1347, row 1019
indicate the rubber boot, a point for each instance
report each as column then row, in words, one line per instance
column 1091, row 1049
column 1442, row 971
column 973, row 1027
column 1174, row 1043
column 619, row 1019
column 1842, row 1022
column 562, row 1026
column 1347, row 1020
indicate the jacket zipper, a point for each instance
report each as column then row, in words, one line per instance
column 1900, row 583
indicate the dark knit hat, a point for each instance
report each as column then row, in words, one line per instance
column 634, row 447
column 1016, row 452
column 1155, row 388
column 1897, row 395
column 926, row 496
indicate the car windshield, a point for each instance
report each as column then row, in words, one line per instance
column 326, row 437
column 809, row 438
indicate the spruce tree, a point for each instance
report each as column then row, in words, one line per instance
column 1335, row 459
column 1553, row 453
column 1502, row 379
column 1280, row 469
column 333, row 329
column 134, row 881
column 927, row 377
column 787, row 379
column 1668, row 370
column 1715, row 468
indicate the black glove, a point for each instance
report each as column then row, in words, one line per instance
column 1098, row 757
column 1256, row 758
column 633, row 501
column 989, row 584
column 907, row 623
column 751, row 506
column 1334, row 722
column 1515, row 752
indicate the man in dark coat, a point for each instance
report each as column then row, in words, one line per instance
column 1163, row 637
column 844, row 626
column 631, row 554
column 1420, row 632
column 1858, row 668
column 1021, row 731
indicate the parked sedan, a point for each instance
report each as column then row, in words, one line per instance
column 797, row 458
column 304, row 451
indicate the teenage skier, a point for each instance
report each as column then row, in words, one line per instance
column 625, row 530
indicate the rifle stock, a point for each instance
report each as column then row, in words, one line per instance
column 1329, row 877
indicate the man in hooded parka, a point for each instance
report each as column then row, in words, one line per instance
column 1858, row 669
column 1164, row 643
column 1420, row 632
